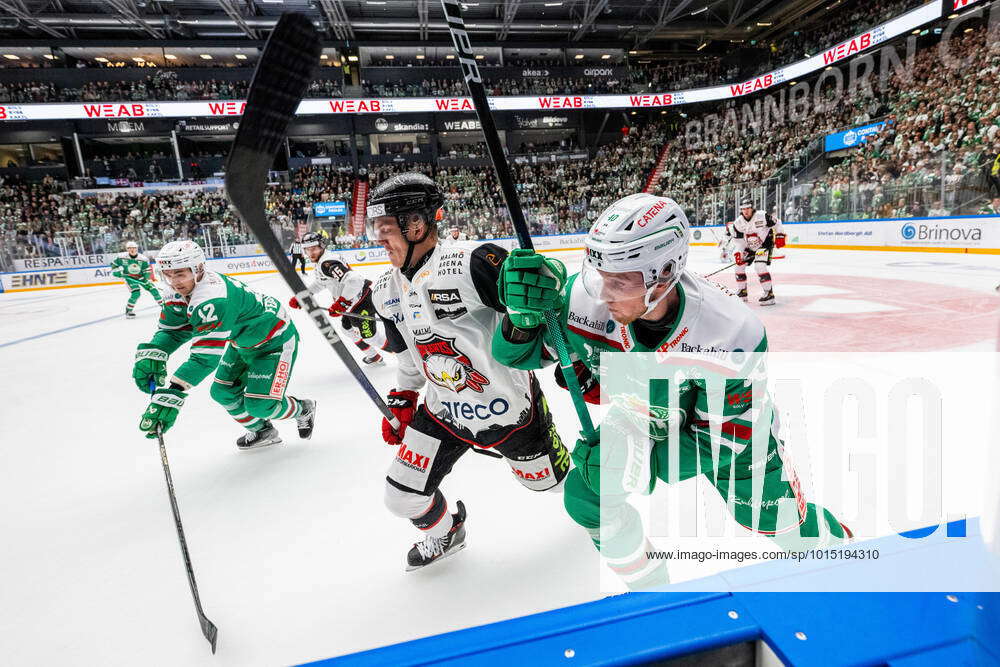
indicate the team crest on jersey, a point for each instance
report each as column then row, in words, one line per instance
column 448, row 367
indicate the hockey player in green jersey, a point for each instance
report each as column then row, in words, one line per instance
column 634, row 295
column 248, row 337
column 134, row 268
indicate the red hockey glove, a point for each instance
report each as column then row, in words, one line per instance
column 589, row 384
column 339, row 307
column 739, row 258
column 779, row 240
column 294, row 303
column 403, row 405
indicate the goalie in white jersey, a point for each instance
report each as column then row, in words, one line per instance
column 755, row 236
column 351, row 294
column 440, row 306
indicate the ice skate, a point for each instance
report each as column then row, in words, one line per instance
column 306, row 419
column 129, row 314
column 743, row 295
column 767, row 299
column 265, row 437
column 374, row 360
column 433, row 549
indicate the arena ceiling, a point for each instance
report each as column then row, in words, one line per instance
column 628, row 23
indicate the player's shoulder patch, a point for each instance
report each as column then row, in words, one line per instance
column 210, row 290
column 384, row 297
column 332, row 267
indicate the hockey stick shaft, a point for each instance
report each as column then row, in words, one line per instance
column 279, row 83
column 474, row 83
column 727, row 266
column 207, row 627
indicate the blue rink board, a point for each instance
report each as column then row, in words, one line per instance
column 832, row 628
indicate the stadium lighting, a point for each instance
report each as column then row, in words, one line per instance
column 10, row 56
column 480, row 56
column 916, row 32
column 389, row 56
column 967, row 30
column 138, row 59
column 553, row 4
column 352, row 59
column 169, row 56
column 323, row 56
column 701, row 46
column 420, row 56
column 578, row 56
column 206, row 56
column 101, row 60
column 450, row 56
column 699, row 11
column 764, row 23
column 605, row 56
column 272, row 2
column 240, row 56
column 49, row 56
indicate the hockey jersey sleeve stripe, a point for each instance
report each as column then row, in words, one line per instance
column 593, row 336
column 280, row 326
column 176, row 327
column 209, row 342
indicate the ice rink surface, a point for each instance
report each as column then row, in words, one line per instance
column 296, row 557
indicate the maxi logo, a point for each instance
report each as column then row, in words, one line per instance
column 463, row 410
column 411, row 459
column 447, row 366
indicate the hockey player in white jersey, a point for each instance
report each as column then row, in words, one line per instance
column 440, row 306
column 755, row 236
column 454, row 235
column 351, row 294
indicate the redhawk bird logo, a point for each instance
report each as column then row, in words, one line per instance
column 448, row 367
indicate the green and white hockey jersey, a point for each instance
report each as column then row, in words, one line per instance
column 220, row 311
column 711, row 326
column 131, row 268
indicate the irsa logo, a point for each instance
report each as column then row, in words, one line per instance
column 909, row 231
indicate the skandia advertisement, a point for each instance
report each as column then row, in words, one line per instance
column 852, row 137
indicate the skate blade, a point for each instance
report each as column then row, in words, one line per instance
column 767, row 303
column 450, row 552
column 260, row 445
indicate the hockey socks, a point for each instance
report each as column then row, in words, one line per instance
column 435, row 521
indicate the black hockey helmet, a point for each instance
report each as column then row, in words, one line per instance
column 404, row 194
column 310, row 239
column 399, row 197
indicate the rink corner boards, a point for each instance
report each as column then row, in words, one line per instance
column 727, row 619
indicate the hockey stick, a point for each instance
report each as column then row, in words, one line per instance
column 729, row 266
column 279, row 83
column 474, row 83
column 207, row 627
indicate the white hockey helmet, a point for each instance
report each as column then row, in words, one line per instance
column 131, row 244
column 180, row 255
column 639, row 233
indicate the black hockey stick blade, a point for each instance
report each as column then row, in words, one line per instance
column 284, row 71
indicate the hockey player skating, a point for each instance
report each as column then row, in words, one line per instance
column 440, row 306
column 351, row 294
column 134, row 268
column 245, row 337
column 755, row 236
column 634, row 295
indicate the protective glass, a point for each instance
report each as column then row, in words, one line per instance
column 610, row 287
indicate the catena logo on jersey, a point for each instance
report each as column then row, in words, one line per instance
column 460, row 38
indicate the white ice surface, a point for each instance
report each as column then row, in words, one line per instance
column 295, row 555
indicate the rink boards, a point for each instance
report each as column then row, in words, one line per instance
column 961, row 234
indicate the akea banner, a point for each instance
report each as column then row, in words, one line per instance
column 218, row 108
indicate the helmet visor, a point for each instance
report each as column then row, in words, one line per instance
column 611, row 287
column 381, row 227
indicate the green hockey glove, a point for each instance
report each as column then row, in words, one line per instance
column 530, row 285
column 150, row 362
column 162, row 411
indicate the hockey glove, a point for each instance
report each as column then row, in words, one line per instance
column 339, row 307
column 150, row 362
column 530, row 285
column 118, row 273
column 294, row 303
column 779, row 240
column 162, row 411
column 589, row 384
column 586, row 457
column 403, row 405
